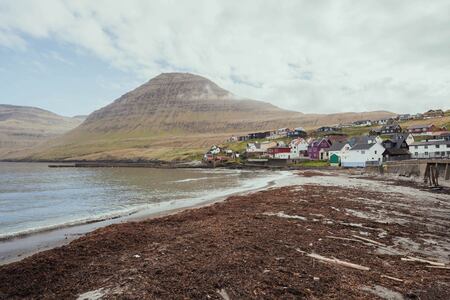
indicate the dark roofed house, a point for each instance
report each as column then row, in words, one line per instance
column 328, row 129
column 390, row 129
column 421, row 129
column 404, row 117
column 396, row 148
column 434, row 113
column 396, row 154
column 339, row 137
column 384, row 121
column 362, row 123
column 297, row 133
column 259, row 135
column 363, row 139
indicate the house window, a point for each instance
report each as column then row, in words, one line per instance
column 443, row 153
column 416, row 147
column 426, row 153
column 416, row 153
column 437, row 146
column 426, row 147
column 448, row 145
column 363, row 152
column 375, row 151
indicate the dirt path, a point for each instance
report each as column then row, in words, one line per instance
column 276, row 244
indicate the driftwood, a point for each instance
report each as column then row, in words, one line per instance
column 338, row 262
column 418, row 259
column 392, row 278
column 369, row 240
column 342, row 238
column 439, row 267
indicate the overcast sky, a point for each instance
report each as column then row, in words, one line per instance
column 73, row 57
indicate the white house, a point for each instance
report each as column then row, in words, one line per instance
column 362, row 155
column 410, row 139
column 299, row 148
column 362, row 123
column 214, row 150
column 430, row 149
column 336, row 151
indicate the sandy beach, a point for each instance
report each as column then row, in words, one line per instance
column 322, row 235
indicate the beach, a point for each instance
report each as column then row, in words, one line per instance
column 316, row 235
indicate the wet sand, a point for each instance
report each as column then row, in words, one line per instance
column 279, row 243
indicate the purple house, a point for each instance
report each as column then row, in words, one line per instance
column 315, row 146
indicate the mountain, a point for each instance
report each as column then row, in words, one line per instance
column 171, row 116
column 22, row 127
column 184, row 103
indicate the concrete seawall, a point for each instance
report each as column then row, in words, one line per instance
column 417, row 169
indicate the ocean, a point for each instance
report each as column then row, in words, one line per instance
column 35, row 198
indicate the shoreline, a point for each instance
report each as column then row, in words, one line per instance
column 274, row 243
column 18, row 247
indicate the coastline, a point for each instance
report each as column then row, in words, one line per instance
column 18, row 247
column 265, row 244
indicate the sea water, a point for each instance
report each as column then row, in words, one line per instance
column 36, row 198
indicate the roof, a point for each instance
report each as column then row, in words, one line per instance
column 390, row 126
column 419, row 126
column 397, row 140
column 336, row 146
column 362, row 139
column 441, row 142
column 362, row 146
column 397, row 151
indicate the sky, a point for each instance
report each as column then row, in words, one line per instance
column 73, row 57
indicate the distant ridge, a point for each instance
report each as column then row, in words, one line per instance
column 172, row 115
column 23, row 127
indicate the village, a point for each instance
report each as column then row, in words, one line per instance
column 385, row 140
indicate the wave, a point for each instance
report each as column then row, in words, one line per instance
column 190, row 179
column 76, row 222
column 153, row 208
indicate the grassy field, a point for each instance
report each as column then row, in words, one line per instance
column 311, row 164
column 164, row 146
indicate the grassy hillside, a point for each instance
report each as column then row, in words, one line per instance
column 175, row 116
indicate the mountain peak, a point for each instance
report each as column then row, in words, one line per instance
column 181, row 102
column 181, row 86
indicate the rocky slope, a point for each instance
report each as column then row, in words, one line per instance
column 22, row 127
column 173, row 113
column 183, row 102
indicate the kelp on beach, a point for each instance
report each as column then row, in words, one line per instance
column 269, row 245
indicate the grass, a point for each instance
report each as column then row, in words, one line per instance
column 356, row 131
column 311, row 164
column 172, row 145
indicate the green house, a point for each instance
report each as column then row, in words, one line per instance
column 334, row 159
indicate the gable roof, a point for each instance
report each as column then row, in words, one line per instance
column 336, row 146
column 440, row 142
column 420, row 126
column 362, row 146
column 362, row 139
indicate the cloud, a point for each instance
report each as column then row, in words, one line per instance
column 311, row 56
